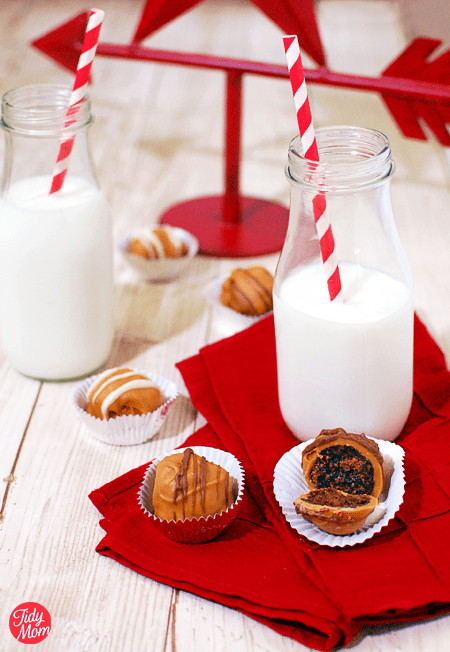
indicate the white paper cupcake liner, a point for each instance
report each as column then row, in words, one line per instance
column 289, row 483
column 234, row 320
column 131, row 429
column 161, row 269
column 202, row 529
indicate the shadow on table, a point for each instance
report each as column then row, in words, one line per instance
column 150, row 313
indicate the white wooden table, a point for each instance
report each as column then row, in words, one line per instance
column 157, row 140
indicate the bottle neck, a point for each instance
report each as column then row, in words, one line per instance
column 35, row 122
column 350, row 158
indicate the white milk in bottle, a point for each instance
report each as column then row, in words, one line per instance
column 344, row 363
column 56, row 268
column 348, row 362
column 55, row 278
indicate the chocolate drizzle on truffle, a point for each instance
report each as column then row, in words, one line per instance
column 199, row 480
column 248, row 291
column 264, row 295
column 189, row 486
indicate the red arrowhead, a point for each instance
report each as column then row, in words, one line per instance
column 292, row 16
column 413, row 63
column 64, row 43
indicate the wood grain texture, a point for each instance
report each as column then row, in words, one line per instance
column 157, row 140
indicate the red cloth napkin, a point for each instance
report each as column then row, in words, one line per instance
column 317, row 595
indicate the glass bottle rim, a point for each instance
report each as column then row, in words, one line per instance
column 40, row 110
column 349, row 158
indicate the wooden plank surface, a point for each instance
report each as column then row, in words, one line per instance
column 158, row 139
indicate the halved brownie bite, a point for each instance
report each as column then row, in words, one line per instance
column 334, row 511
column 345, row 472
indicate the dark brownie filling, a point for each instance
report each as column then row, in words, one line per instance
column 344, row 468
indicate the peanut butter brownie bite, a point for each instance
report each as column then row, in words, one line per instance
column 335, row 511
column 248, row 291
column 188, row 486
column 124, row 406
column 345, row 472
column 160, row 242
column 120, row 392
column 192, row 495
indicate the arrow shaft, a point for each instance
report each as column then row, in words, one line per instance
column 389, row 86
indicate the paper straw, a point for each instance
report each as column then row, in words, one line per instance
column 87, row 55
column 310, row 152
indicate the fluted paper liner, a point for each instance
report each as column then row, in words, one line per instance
column 290, row 483
column 130, row 429
column 196, row 530
column 159, row 269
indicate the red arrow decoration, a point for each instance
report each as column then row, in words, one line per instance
column 64, row 43
column 414, row 88
column 292, row 16
column 414, row 63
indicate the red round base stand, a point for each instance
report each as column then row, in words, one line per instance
column 261, row 228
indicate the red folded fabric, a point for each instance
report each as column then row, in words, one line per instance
column 317, row 595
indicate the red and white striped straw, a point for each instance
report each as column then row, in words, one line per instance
column 310, row 152
column 87, row 55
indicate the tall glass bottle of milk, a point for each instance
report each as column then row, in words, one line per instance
column 56, row 273
column 348, row 362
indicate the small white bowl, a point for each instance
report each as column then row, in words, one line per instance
column 160, row 269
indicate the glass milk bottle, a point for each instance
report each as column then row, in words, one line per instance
column 346, row 363
column 56, row 272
